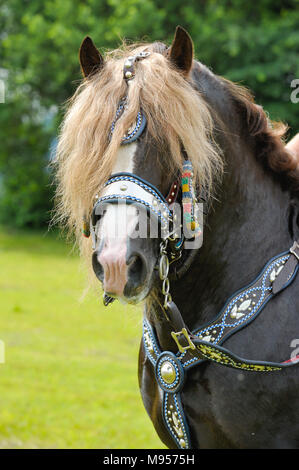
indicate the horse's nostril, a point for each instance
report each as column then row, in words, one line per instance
column 135, row 265
column 97, row 267
column 136, row 270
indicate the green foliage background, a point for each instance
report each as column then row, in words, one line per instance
column 255, row 43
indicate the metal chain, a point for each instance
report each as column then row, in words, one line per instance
column 163, row 272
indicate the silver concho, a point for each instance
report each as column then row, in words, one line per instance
column 169, row 372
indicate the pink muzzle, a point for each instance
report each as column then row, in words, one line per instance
column 113, row 260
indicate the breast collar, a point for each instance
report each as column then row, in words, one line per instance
column 204, row 344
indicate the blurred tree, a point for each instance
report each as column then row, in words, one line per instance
column 255, row 43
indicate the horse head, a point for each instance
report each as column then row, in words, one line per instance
column 137, row 112
column 137, row 117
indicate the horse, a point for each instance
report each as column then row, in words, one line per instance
column 138, row 116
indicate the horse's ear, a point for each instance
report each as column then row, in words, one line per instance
column 90, row 58
column 181, row 50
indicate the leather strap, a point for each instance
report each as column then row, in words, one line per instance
column 288, row 270
column 225, row 357
column 240, row 310
column 173, row 192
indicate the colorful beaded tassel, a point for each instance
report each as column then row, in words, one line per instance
column 188, row 200
column 86, row 228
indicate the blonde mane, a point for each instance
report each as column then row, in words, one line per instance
column 176, row 114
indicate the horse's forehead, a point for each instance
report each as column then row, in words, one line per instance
column 142, row 159
column 125, row 158
column 137, row 158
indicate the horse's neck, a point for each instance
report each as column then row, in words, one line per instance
column 245, row 229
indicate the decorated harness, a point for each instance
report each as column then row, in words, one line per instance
column 205, row 343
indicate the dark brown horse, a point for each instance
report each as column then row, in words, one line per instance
column 251, row 214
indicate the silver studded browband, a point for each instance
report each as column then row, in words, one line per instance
column 128, row 188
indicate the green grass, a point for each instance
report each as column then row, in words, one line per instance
column 70, row 374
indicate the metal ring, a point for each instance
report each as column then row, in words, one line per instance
column 163, row 267
column 165, row 286
column 163, row 246
column 167, row 300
